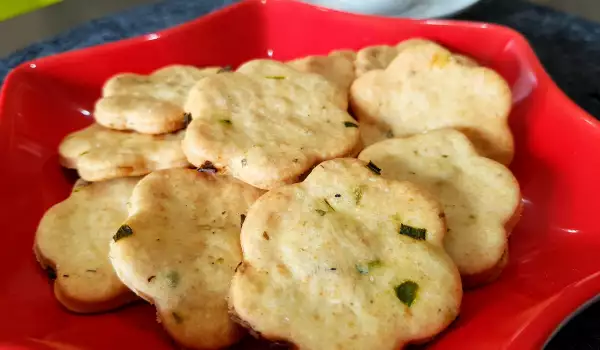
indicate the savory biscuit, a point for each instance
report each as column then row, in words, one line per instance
column 73, row 240
column 426, row 87
column 149, row 104
column 480, row 196
column 267, row 123
column 380, row 56
column 99, row 153
column 337, row 67
column 179, row 249
column 345, row 260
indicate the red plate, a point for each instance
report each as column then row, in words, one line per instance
column 554, row 262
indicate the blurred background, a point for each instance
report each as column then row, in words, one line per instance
column 34, row 20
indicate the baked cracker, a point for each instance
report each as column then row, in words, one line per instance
column 345, row 260
column 179, row 249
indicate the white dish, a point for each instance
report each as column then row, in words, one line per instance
column 418, row 9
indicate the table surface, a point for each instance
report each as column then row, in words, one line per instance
column 568, row 46
column 49, row 21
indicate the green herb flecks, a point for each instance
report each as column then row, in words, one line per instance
column 389, row 134
column 328, row 205
column 84, row 153
column 244, row 162
column 227, row 68
column 374, row 168
column 275, row 77
column 365, row 268
column 225, row 122
column 172, row 279
column 242, row 219
column 329, row 209
column 413, row 232
column 321, row 212
column 122, row 232
column 407, row 292
column 178, row 319
column 350, row 125
column 358, row 192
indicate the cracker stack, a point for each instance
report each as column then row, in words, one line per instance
column 279, row 229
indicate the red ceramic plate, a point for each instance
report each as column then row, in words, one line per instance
column 554, row 262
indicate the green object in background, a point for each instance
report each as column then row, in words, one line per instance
column 13, row 8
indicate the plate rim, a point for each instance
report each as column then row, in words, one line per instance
column 542, row 328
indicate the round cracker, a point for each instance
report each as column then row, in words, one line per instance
column 179, row 249
column 267, row 124
column 148, row 104
column 99, row 153
column 333, row 262
column 427, row 88
column 73, row 239
column 337, row 67
column 480, row 196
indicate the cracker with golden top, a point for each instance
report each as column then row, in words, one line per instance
column 425, row 88
column 149, row 104
column 73, row 240
column 267, row 123
column 337, row 67
column 346, row 260
column 380, row 56
column 481, row 198
column 178, row 249
column 100, row 154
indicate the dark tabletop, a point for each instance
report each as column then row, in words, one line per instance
column 568, row 46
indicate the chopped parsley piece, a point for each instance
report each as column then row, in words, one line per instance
column 227, row 68
column 84, row 153
column 276, row 77
column 413, row 232
column 364, row 269
column 337, row 195
column 374, row 168
column 91, row 270
column 358, row 193
column 242, row 219
column 244, row 162
column 350, row 125
column 207, row 167
column 122, row 232
column 187, row 119
column 328, row 205
column 151, row 278
column 321, row 212
column 172, row 279
column 407, row 292
column 225, row 121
